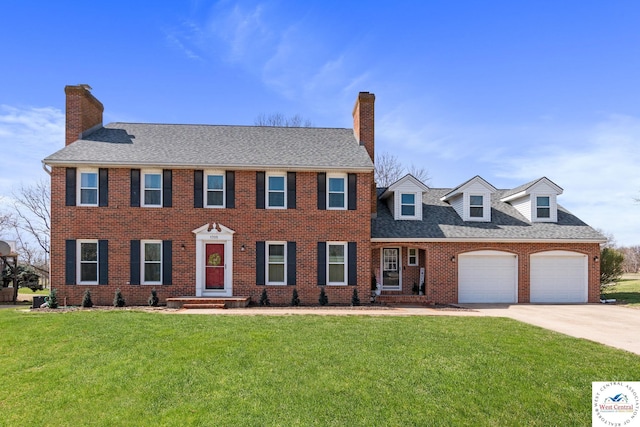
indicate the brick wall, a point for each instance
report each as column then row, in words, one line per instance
column 83, row 111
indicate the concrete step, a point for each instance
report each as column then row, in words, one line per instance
column 227, row 302
column 186, row 306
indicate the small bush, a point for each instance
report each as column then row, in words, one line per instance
column 86, row 299
column 264, row 299
column 118, row 299
column 295, row 301
column 53, row 298
column 153, row 298
column 323, row 300
column 415, row 289
column 355, row 301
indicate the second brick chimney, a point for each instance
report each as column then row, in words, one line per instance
column 83, row 112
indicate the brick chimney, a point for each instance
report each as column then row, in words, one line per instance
column 363, row 128
column 84, row 112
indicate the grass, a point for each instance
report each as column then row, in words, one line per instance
column 626, row 291
column 126, row 368
column 27, row 291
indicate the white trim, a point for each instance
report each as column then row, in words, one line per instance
column 143, row 187
column 266, row 263
column 343, row 177
column 205, row 188
column 282, row 175
column 415, row 205
column 553, row 208
column 79, row 262
column 409, row 263
column 214, row 233
column 79, row 186
column 345, row 261
column 143, row 280
column 399, row 261
column 486, row 207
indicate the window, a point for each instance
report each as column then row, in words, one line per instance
column 276, row 191
column 88, row 188
column 336, row 194
column 152, row 264
column 152, row 192
column 543, row 209
column 88, row 262
column 476, row 206
column 412, row 255
column 337, row 267
column 407, row 204
column 215, row 190
column 276, row 263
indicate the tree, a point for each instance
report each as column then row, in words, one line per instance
column 610, row 265
column 631, row 262
column 33, row 215
column 26, row 275
column 279, row 119
column 388, row 169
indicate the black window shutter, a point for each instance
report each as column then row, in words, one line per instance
column 352, row 179
column 322, row 263
column 70, row 187
column 167, row 262
column 103, row 187
column 135, row 188
column 134, row 264
column 70, row 262
column 230, row 180
column 260, row 276
column 291, row 190
column 103, row 262
column 352, row 266
column 291, row 263
column 259, row 190
column 197, row 189
column 166, row 188
column 322, row 191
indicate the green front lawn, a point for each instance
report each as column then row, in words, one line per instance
column 114, row 368
column 626, row 291
column 28, row 291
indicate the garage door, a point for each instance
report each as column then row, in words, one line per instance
column 559, row 276
column 487, row 277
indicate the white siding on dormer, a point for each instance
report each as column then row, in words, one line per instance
column 397, row 211
column 553, row 205
column 486, row 206
column 458, row 205
column 523, row 205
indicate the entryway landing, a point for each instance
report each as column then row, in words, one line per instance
column 208, row 302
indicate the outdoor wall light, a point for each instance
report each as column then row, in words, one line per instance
column 595, row 258
column 453, row 258
column 243, row 248
column 182, row 247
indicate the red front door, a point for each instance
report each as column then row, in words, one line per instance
column 214, row 266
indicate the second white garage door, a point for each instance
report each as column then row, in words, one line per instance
column 559, row 277
column 487, row 277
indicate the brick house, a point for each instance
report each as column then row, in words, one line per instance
column 227, row 211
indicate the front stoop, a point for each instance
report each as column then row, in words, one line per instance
column 208, row 302
column 420, row 300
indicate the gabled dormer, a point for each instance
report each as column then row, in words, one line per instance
column 404, row 198
column 472, row 200
column 535, row 200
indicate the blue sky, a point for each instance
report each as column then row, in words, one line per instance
column 510, row 91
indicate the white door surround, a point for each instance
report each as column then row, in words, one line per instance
column 214, row 233
column 391, row 268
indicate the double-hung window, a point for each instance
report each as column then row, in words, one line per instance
column 88, row 194
column 337, row 265
column 336, row 196
column 408, row 204
column 476, row 206
column 215, row 190
column 276, row 263
column 152, row 262
column 412, row 255
column 543, row 207
column 87, row 262
column 276, row 191
column 152, row 191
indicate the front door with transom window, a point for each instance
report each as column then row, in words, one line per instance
column 391, row 269
column 214, row 266
column 214, row 261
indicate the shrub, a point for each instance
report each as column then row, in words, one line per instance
column 264, row 299
column 610, row 266
column 323, row 300
column 355, row 301
column 53, row 298
column 415, row 289
column 295, row 301
column 118, row 299
column 86, row 299
column 153, row 298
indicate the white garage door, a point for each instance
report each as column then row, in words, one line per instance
column 487, row 276
column 559, row 276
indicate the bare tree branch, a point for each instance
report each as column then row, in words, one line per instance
column 388, row 170
column 280, row 120
column 419, row 172
column 32, row 207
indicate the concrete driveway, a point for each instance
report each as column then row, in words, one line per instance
column 611, row 325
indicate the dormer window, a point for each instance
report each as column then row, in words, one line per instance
column 408, row 204
column 476, row 206
column 404, row 198
column 543, row 207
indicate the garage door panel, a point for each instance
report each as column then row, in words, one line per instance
column 484, row 278
column 559, row 277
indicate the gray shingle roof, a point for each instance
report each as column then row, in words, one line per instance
column 526, row 186
column 440, row 221
column 216, row 146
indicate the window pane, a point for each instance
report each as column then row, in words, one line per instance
column 152, row 272
column 544, row 213
column 88, row 251
column 336, row 185
column 276, row 199
column 336, row 200
column 89, row 180
column 276, row 183
column 276, row 253
column 408, row 199
column 89, row 272
column 476, row 212
column 152, row 180
column 276, row 273
column 214, row 198
column 152, row 252
column 475, row 200
column 336, row 273
column 336, row 253
column 408, row 210
column 152, row 197
column 89, row 197
column 215, row 182
column 543, row 201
